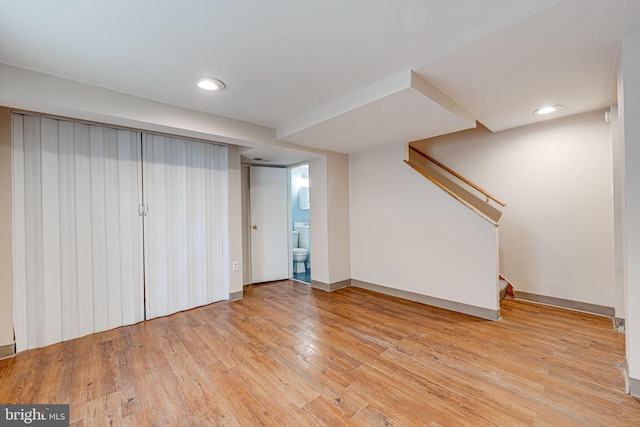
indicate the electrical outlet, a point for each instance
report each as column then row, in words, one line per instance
column 235, row 266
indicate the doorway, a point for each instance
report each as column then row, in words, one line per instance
column 300, row 224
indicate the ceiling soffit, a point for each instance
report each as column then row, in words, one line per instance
column 404, row 107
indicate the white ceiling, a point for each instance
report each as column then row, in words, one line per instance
column 308, row 68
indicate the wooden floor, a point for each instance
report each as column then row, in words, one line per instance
column 289, row 355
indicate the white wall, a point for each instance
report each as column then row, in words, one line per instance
column 618, row 213
column 246, row 225
column 408, row 234
column 235, row 218
column 318, row 219
column 38, row 92
column 556, row 233
column 338, row 225
column 629, row 112
column 329, row 218
column 6, row 232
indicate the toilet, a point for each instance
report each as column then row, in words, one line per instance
column 300, row 255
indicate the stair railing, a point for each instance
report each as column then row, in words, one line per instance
column 483, row 208
column 457, row 175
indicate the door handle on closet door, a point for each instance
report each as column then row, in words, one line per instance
column 255, row 227
column 142, row 209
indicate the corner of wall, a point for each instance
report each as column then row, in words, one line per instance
column 235, row 224
column 6, row 251
column 318, row 219
column 330, row 287
column 338, row 218
column 628, row 110
column 330, row 234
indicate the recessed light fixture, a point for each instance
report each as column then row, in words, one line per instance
column 547, row 110
column 207, row 83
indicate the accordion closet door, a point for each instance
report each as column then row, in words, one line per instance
column 91, row 216
column 77, row 232
column 185, row 196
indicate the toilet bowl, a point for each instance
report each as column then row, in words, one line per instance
column 300, row 255
column 299, row 258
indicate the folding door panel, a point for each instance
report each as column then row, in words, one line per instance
column 185, row 192
column 77, row 232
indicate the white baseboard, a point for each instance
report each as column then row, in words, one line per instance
column 565, row 303
column 330, row 286
column 483, row 313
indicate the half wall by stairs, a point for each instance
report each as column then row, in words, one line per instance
column 411, row 239
column 461, row 189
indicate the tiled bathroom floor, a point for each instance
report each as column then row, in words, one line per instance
column 304, row 277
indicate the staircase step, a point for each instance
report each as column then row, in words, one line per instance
column 504, row 287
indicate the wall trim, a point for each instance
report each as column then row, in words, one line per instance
column 634, row 387
column 459, row 307
column 8, row 350
column 632, row 384
column 234, row 296
column 329, row 287
column 565, row 303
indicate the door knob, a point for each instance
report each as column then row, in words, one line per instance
column 255, row 227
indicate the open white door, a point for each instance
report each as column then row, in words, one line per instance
column 269, row 230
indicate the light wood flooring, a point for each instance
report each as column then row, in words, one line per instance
column 289, row 355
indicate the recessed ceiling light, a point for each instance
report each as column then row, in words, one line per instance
column 547, row 110
column 210, row 84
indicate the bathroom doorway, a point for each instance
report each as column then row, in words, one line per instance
column 300, row 224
